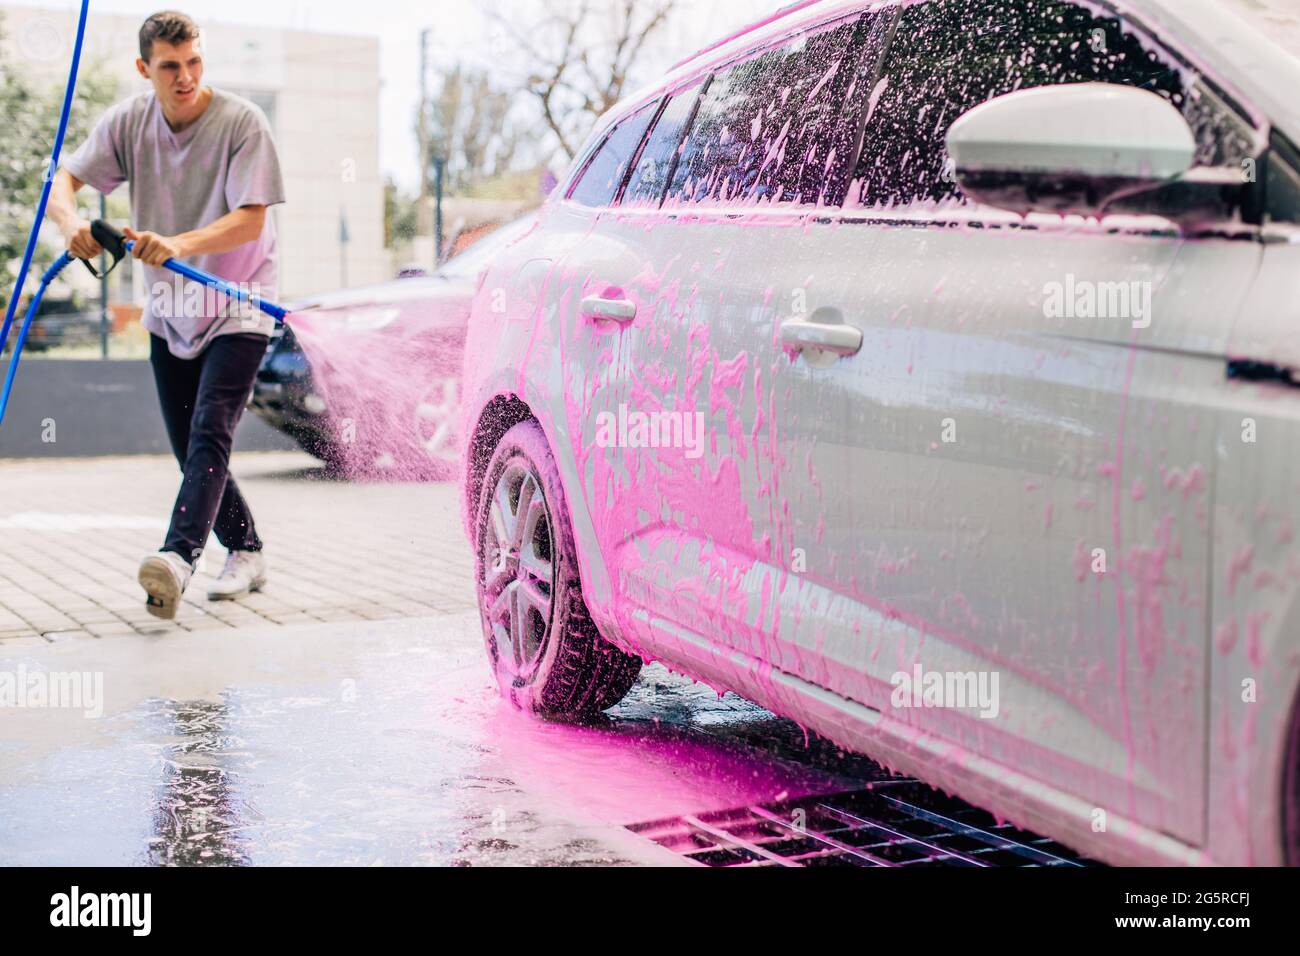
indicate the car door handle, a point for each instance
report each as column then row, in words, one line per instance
column 616, row 310
column 838, row 337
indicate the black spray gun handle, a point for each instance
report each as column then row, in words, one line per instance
column 112, row 239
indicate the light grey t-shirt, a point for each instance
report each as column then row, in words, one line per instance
column 184, row 181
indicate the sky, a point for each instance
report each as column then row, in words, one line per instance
column 461, row 32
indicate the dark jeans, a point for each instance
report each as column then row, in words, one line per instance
column 202, row 399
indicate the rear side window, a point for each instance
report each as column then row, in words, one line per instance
column 1283, row 182
column 773, row 129
column 949, row 56
column 659, row 157
column 600, row 181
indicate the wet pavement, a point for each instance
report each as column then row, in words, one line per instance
column 364, row 743
column 72, row 533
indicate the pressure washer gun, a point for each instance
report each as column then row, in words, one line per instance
column 117, row 245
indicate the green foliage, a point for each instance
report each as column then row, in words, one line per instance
column 401, row 216
column 29, row 114
column 524, row 185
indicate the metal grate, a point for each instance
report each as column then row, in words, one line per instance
column 896, row 823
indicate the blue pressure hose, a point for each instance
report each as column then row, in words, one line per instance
column 59, row 265
column 36, row 225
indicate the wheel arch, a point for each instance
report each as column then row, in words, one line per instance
column 498, row 414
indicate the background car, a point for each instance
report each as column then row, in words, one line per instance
column 376, row 391
column 884, row 364
column 59, row 323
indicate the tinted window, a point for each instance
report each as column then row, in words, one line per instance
column 599, row 182
column 1283, row 188
column 949, row 56
column 650, row 178
column 772, row 129
column 479, row 256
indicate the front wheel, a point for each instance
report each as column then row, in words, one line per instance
column 547, row 654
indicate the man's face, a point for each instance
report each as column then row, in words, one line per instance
column 176, row 71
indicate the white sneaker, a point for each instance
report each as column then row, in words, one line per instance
column 164, row 577
column 245, row 571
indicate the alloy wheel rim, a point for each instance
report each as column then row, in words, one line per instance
column 435, row 420
column 518, row 571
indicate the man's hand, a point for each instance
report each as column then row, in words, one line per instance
column 153, row 249
column 80, row 242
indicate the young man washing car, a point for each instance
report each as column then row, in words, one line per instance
column 203, row 169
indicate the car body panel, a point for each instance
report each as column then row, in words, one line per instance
column 1072, row 436
column 1255, row 580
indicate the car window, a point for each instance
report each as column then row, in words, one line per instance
column 1283, row 189
column 949, row 56
column 662, row 147
column 772, row 128
column 479, row 256
column 600, row 180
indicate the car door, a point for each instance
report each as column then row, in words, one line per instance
column 696, row 512
column 596, row 290
column 1008, row 485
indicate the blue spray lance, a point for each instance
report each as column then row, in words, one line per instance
column 117, row 245
column 63, row 260
column 113, row 241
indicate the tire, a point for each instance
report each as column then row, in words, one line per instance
column 544, row 648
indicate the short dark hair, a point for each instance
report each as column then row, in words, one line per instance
column 170, row 27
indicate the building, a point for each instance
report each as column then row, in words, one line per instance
column 321, row 94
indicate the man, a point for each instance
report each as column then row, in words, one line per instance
column 203, row 169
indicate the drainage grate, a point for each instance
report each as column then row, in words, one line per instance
column 895, row 823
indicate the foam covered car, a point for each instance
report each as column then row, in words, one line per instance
column 925, row 372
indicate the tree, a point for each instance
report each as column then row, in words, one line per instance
column 581, row 58
column 401, row 216
column 28, row 116
column 469, row 129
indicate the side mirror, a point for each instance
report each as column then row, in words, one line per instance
column 1086, row 148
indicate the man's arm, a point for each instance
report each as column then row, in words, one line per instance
column 62, row 211
column 229, row 232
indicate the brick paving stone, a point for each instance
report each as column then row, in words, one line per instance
column 56, row 637
column 338, row 550
column 110, row 630
column 18, row 643
column 334, row 614
column 203, row 624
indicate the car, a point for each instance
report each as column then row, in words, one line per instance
column 62, row 323
column 924, row 372
column 375, row 391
